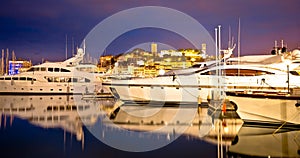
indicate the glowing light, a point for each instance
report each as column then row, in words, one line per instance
column 226, row 129
column 161, row 72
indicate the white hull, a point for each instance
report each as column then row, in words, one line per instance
column 267, row 110
column 161, row 89
column 204, row 84
column 45, row 88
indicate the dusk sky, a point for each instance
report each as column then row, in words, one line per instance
column 37, row 29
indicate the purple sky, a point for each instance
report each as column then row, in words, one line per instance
column 36, row 29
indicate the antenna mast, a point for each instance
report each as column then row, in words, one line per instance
column 66, row 46
column 229, row 37
column 7, row 55
column 239, row 45
column 2, row 63
column 72, row 46
column 239, row 40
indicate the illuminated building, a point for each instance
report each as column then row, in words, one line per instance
column 105, row 61
column 15, row 67
column 154, row 48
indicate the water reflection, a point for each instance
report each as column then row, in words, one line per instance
column 129, row 125
column 51, row 111
column 266, row 141
column 136, row 124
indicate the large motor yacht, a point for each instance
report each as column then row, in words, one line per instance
column 277, row 81
column 67, row 77
column 242, row 77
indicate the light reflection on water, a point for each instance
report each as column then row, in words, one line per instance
column 60, row 126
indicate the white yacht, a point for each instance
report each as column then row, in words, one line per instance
column 260, row 80
column 68, row 77
column 191, row 86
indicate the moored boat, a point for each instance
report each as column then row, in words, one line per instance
column 68, row 77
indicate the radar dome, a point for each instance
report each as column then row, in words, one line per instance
column 296, row 51
column 80, row 51
column 296, row 54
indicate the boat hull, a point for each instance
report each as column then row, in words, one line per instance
column 44, row 88
column 267, row 109
column 158, row 90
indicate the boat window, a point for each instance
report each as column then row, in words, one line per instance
column 50, row 69
column 33, row 69
column 87, row 80
column 74, row 80
column 296, row 73
column 55, row 108
column 62, row 79
column 23, row 78
column 56, row 79
column 239, row 72
column 49, row 108
column 50, row 79
column 81, row 79
column 31, row 79
column 74, row 108
column 80, row 107
column 55, row 118
column 15, row 78
column 64, row 70
column 28, row 108
column 245, row 72
column 1, row 78
column 61, row 108
column 43, row 69
column 7, row 78
column 63, row 117
column 35, row 118
column 68, row 107
column 42, row 118
column 49, row 118
column 209, row 72
column 56, row 69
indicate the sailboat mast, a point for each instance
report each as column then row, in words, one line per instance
column 239, row 45
column 72, row 46
column 229, row 37
column 219, row 47
column 66, row 46
column 216, row 39
column 13, row 56
column 7, row 55
column 2, row 63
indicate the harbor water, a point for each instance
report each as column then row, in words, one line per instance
column 73, row 126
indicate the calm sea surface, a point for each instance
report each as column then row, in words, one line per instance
column 65, row 126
